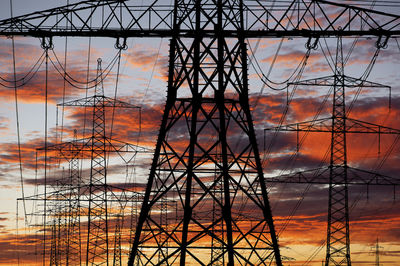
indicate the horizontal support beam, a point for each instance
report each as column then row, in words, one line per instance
column 116, row 33
column 320, row 176
column 157, row 18
column 324, row 125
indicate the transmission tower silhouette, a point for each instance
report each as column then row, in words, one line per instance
column 377, row 250
column 64, row 215
column 214, row 71
column 206, row 153
column 338, row 175
column 80, row 211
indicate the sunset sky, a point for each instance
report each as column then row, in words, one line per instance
column 142, row 82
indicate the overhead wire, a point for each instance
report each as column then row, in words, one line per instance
column 293, row 159
column 17, row 232
column 265, row 79
column 89, row 85
column 285, row 111
column 389, row 151
column 302, row 197
column 72, row 79
column 328, row 55
column 64, row 84
column 362, row 79
column 21, row 176
column 27, row 77
column 115, row 92
column 302, row 64
column 294, row 156
column 152, row 72
column 142, row 101
column 364, row 76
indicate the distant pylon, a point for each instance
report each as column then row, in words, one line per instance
column 99, row 242
column 377, row 251
column 339, row 173
column 64, row 211
column 338, row 236
column 86, row 203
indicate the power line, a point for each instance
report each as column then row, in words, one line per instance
column 27, row 77
column 17, row 119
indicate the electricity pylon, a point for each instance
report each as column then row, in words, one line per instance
column 66, row 228
column 214, row 72
column 208, row 94
column 340, row 175
column 90, row 200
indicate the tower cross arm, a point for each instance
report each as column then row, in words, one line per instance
column 132, row 18
column 357, row 126
column 69, row 150
column 98, row 100
column 349, row 82
column 325, row 125
column 82, row 148
column 124, row 147
column 320, row 176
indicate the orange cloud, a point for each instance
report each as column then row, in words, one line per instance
column 291, row 59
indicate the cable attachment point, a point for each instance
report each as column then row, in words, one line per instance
column 382, row 42
column 47, row 43
column 312, row 44
column 120, row 46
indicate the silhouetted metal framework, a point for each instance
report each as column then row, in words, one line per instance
column 72, row 198
column 63, row 211
column 207, row 92
column 99, row 243
column 338, row 175
column 74, row 251
column 377, row 251
column 156, row 18
column 69, row 237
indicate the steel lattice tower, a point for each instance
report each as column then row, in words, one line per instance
column 74, row 228
column 97, row 232
column 338, row 241
column 338, row 175
column 99, row 194
column 81, row 206
column 64, row 209
column 214, row 72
